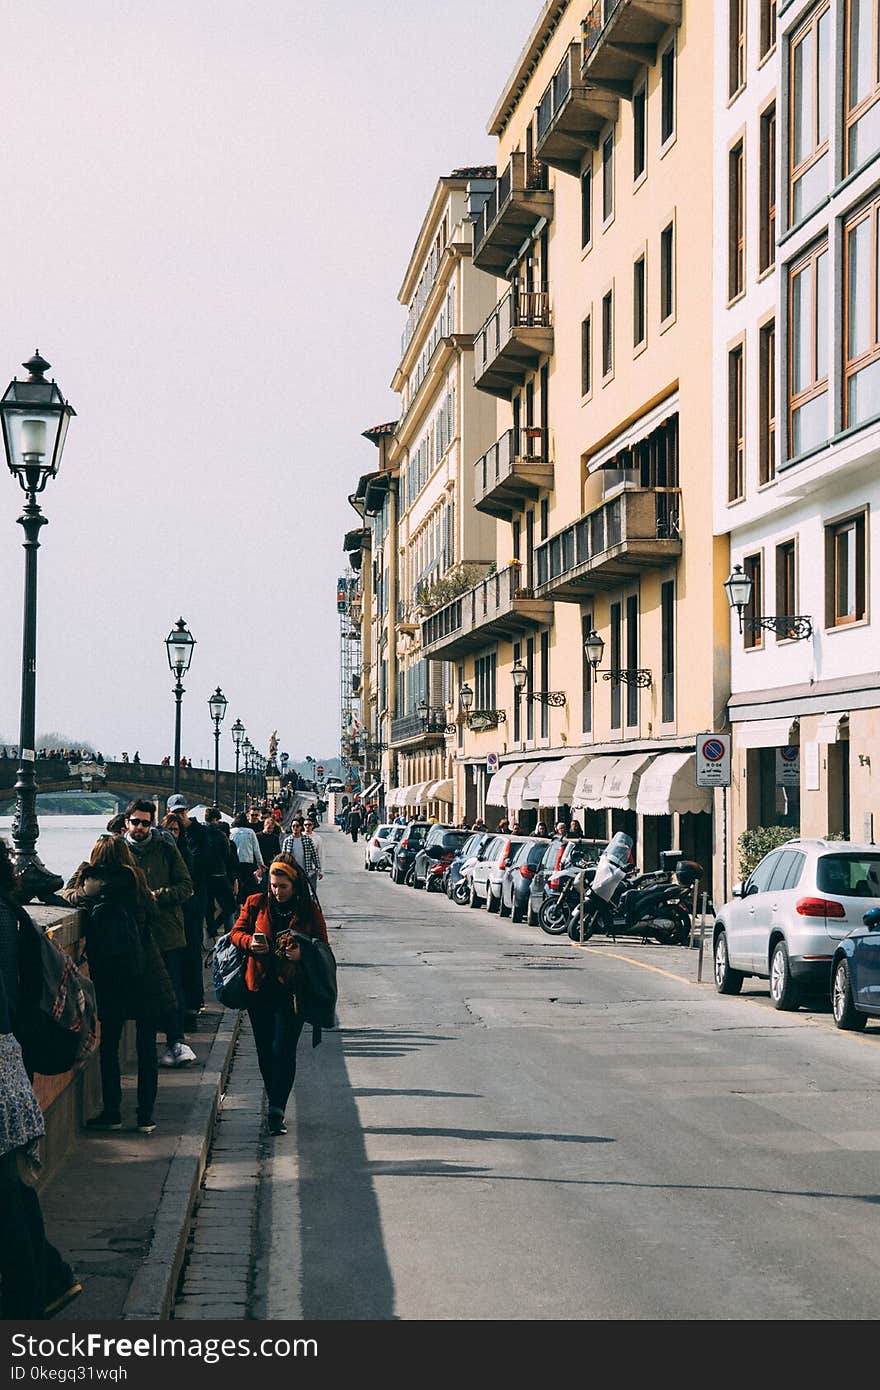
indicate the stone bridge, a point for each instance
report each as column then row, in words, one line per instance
column 127, row 781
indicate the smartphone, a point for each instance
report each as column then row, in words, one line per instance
column 259, row 938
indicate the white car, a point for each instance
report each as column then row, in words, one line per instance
column 379, row 843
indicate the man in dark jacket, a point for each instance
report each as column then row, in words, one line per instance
column 222, row 874
column 193, row 847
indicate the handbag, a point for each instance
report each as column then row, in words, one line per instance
column 56, row 1018
column 228, row 974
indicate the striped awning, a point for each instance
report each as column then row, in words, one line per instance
column 496, row 792
column 440, row 791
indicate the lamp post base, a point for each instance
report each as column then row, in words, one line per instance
column 35, row 880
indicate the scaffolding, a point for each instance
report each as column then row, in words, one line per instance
column 348, row 598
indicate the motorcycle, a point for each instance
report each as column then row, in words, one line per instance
column 620, row 902
column 555, row 910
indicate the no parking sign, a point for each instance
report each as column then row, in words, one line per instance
column 713, row 760
column 491, row 763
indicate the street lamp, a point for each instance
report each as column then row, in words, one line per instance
column 179, row 645
column 594, row 648
column 247, row 748
column 217, row 705
column 466, row 698
column 35, row 418
column 793, row 627
column 237, row 736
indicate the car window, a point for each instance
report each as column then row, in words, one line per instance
column 793, row 872
column 780, row 871
column 453, row 839
column 761, row 875
column 533, row 855
column 550, row 855
column 850, row 875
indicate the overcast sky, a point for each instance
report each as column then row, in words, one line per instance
column 208, row 210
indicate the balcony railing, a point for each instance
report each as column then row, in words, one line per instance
column 497, row 607
column 517, row 333
column 621, row 37
column 409, row 726
column 517, row 203
column 570, row 115
column 638, row 529
column 514, row 470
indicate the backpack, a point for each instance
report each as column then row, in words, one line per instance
column 56, row 1018
column 113, row 942
column 228, row 973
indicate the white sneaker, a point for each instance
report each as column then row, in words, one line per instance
column 182, row 1054
column 167, row 1058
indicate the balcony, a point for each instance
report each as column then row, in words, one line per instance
column 570, row 115
column 496, row 608
column 515, row 336
column 620, row 39
column 638, row 529
column 409, row 728
column 512, row 472
column 518, row 202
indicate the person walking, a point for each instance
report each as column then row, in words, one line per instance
column 250, row 859
column 355, row 821
column 265, row 932
column 269, row 839
column 193, row 846
column 222, row 874
column 302, row 848
column 169, row 882
column 131, row 981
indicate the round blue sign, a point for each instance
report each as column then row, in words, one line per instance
column 713, row 750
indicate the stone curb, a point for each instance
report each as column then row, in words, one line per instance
column 151, row 1295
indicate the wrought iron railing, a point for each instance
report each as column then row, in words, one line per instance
column 591, row 28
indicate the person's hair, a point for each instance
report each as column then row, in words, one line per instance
column 8, row 876
column 141, row 805
column 212, row 815
column 116, row 824
column 171, row 820
column 240, row 821
column 112, row 855
column 224, row 826
column 302, row 898
column 271, row 822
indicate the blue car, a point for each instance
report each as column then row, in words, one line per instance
column 855, row 974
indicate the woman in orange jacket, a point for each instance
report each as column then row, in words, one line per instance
column 265, row 931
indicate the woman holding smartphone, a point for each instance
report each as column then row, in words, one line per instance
column 265, row 931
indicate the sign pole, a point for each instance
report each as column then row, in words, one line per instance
column 724, row 841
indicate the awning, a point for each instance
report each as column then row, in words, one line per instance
column 372, row 789
column 496, row 792
column 440, row 791
column 622, row 782
column 590, row 784
column 766, row 733
column 670, row 784
column 832, row 728
column 393, row 797
column 560, row 780
column 415, row 795
column 524, row 787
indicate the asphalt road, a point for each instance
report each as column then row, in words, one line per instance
column 510, row 1126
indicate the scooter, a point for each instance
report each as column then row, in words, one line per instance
column 619, row 904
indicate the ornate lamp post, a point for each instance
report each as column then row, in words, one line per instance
column 594, row 647
column 791, row 627
column 237, row 736
column 217, row 705
column 35, row 419
column 179, row 645
column 247, row 748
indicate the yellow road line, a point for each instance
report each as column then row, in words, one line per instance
column 640, row 963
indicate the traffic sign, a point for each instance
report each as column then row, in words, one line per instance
column 492, row 763
column 320, row 769
column 788, row 766
column 713, row 760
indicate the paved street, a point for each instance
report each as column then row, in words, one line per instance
column 509, row 1126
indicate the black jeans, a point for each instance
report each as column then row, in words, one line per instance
column 32, row 1271
column 276, row 1033
column 148, row 1067
column 222, row 904
column 174, row 965
column 193, row 978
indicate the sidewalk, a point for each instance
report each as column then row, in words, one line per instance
column 118, row 1207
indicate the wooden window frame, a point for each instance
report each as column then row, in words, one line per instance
column 820, row 148
column 587, row 676
column 667, row 650
column 857, row 522
column 753, row 637
column 869, row 212
column 853, row 114
column 767, row 401
column 736, row 220
column 768, row 27
column 640, row 299
column 818, row 385
column 736, row 425
column 786, row 583
column 736, row 37
column 767, row 194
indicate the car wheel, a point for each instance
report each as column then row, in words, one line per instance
column 410, row 878
column 492, row 903
column 783, row 990
column 532, row 916
column 503, row 909
column 473, row 899
column 727, row 981
column 846, row 1015
column 370, row 866
column 395, row 876
column 516, row 912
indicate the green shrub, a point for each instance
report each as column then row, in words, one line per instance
column 754, row 844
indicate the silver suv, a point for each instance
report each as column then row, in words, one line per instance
column 785, row 922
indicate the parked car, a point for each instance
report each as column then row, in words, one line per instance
column 376, row 846
column 457, row 880
column 516, row 881
column 476, row 872
column 406, row 848
column 786, row 922
column 561, row 859
column 485, row 873
column 436, row 854
column 855, row 974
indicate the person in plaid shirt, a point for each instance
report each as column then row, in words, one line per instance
column 304, row 850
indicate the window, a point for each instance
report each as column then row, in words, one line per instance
column 545, row 683
column 545, row 518
column 608, row 176
column 640, row 131
column 811, row 83
column 737, row 41
column 752, row 636
column 616, row 663
column 587, row 674
column 767, row 403
column 786, row 583
column 767, row 229
column 736, row 456
column 845, row 566
column 608, row 334
column 530, row 687
column 587, row 355
column 667, row 94
column 768, row 26
column 862, row 81
column 517, row 698
column 632, row 658
column 587, row 205
column 667, row 650
column 639, row 327
column 485, row 670
column 667, row 272
column 808, row 352
column 736, row 221
column 862, row 316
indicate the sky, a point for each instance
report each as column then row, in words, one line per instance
column 209, row 209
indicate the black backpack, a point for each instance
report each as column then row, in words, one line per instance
column 56, row 1018
column 113, row 942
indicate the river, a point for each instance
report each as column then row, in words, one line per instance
column 65, row 841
